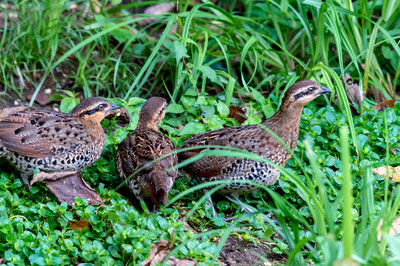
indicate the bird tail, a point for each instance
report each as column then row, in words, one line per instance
column 3, row 150
column 159, row 184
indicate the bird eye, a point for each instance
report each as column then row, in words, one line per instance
column 311, row 89
column 102, row 106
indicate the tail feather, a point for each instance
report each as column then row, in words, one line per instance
column 3, row 150
column 159, row 183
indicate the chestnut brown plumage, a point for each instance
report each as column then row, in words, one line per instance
column 56, row 143
column 285, row 123
column 144, row 145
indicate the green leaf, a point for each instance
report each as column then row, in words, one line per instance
column 258, row 96
column 218, row 221
column 52, row 206
column 223, row 110
column 68, row 103
column 180, row 51
column 128, row 248
column 69, row 94
column 223, row 205
column 330, row 117
column 215, row 123
column 317, row 129
column 68, row 243
column 135, row 100
column 193, row 128
column 162, row 222
column 116, row 2
column 387, row 52
column 208, row 111
column 36, row 259
column 201, row 100
column 252, row 120
column 209, row 72
column 175, row 109
column 56, row 96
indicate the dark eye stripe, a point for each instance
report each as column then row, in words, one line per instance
column 95, row 110
column 303, row 93
column 300, row 94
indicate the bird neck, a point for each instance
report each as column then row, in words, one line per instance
column 93, row 119
column 146, row 125
column 285, row 123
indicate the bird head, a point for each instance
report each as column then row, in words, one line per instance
column 95, row 109
column 152, row 113
column 303, row 92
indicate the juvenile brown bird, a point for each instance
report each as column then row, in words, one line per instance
column 57, row 144
column 145, row 144
column 285, row 123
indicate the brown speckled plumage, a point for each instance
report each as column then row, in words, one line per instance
column 145, row 144
column 55, row 142
column 285, row 123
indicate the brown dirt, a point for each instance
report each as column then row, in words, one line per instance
column 58, row 79
column 239, row 252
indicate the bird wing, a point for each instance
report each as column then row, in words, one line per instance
column 38, row 134
column 243, row 137
column 142, row 147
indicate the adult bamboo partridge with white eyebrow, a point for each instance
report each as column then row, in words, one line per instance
column 145, row 144
column 58, row 144
column 285, row 123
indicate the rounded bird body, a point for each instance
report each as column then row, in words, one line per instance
column 253, row 138
column 53, row 141
column 149, row 181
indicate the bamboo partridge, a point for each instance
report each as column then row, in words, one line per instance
column 55, row 143
column 285, row 123
column 152, row 183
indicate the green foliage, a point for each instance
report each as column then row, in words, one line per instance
column 35, row 229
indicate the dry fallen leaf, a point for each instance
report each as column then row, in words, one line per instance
column 10, row 110
column 159, row 251
column 42, row 98
column 394, row 172
column 393, row 150
column 67, row 188
column 79, row 225
column 380, row 107
column 353, row 94
column 238, row 113
column 158, row 9
column 395, row 230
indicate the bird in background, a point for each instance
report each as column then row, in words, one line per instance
column 57, row 144
column 253, row 138
column 152, row 183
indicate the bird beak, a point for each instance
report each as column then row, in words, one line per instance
column 115, row 109
column 324, row 90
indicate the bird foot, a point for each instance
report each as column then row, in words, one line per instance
column 249, row 209
column 209, row 204
column 41, row 176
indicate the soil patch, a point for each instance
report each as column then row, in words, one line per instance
column 239, row 252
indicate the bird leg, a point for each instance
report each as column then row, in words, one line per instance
column 209, row 203
column 247, row 208
column 50, row 176
column 25, row 180
column 241, row 204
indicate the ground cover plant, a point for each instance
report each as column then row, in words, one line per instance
column 205, row 58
